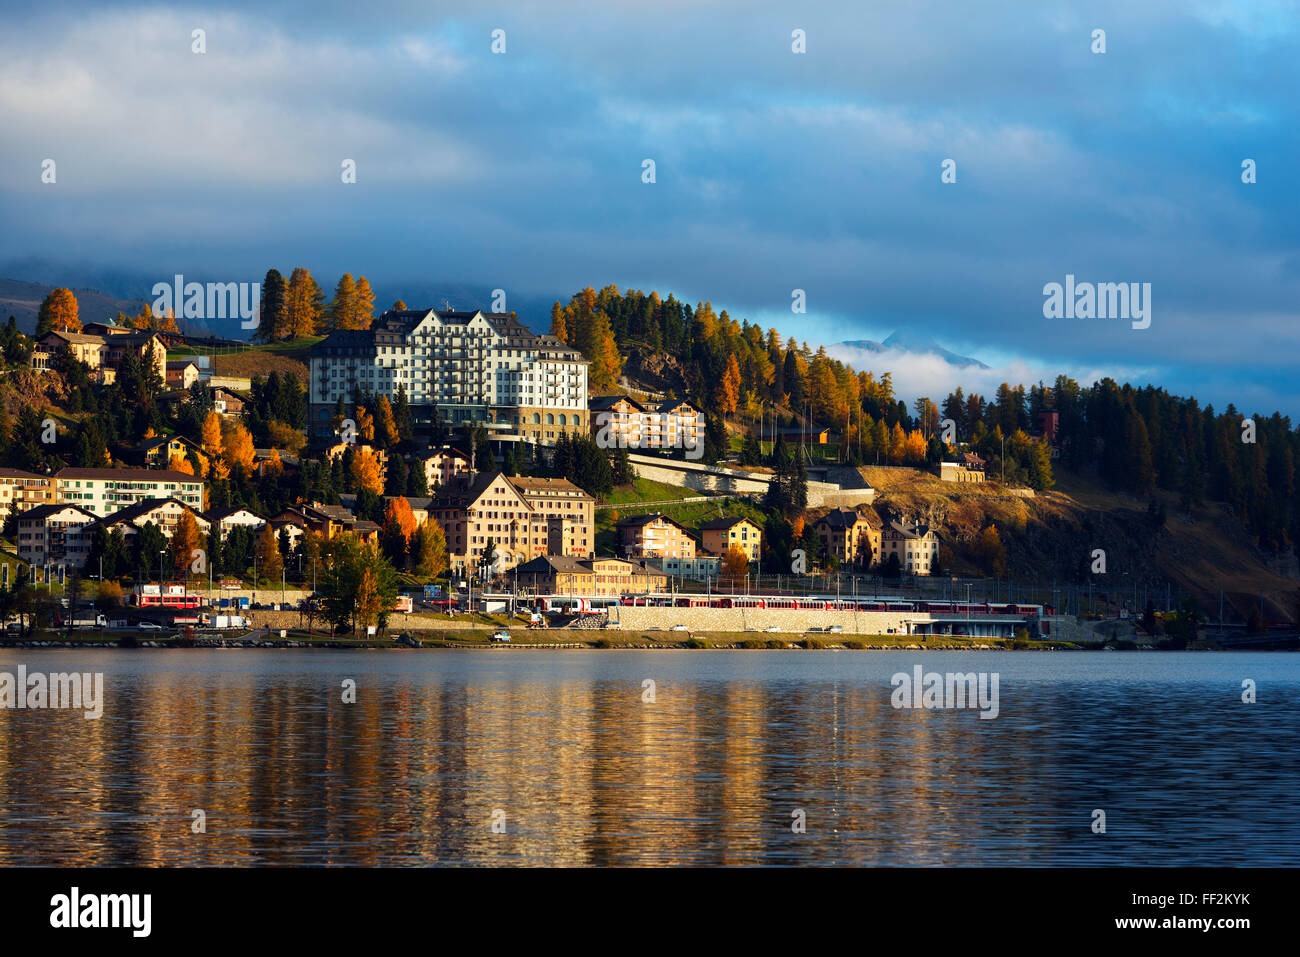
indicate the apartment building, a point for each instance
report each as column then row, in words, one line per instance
column 102, row 354
column 589, row 578
column 523, row 518
column 653, row 536
column 848, row 537
column 917, row 546
column 569, row 513
column 24, row 490
column 54, row 535
column 469, row 366
column 619, row 421
column 104, row 491
column 721, row 534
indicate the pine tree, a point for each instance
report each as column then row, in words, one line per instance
column 273, row 317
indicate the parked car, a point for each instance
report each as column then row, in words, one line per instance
column 772, row 628
column 499, row 636
column 836, row 629
column 149, row 626
column 679, row 628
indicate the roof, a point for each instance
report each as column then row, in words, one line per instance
column 181, row 363
column 639, row 521
column 220, row 514
column 841, row 517
column 441, row 450
column 128, row 475
column 671, row 405
column 464, row 490
column 603, row 403
column 44, row 511
column 20, row 474
column 726, row 522
column 909, row 531
column 160, row 440
column 527, row 484
column 545, row 564
column 143, row 507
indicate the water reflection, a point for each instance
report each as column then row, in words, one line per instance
column 710, row 773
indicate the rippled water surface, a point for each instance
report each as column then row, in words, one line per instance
column 561, row 748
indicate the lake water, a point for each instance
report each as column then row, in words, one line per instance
column 559, row 749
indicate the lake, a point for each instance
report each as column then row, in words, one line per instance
column 521, row 757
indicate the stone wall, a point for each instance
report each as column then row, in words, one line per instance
column 758, row 619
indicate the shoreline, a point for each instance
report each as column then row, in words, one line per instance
column 703, row 641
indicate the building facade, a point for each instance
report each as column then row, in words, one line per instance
column 21, row 490
column 54, row 535
column 105, row 491
column 653, row 536
column 848, row 537
column 721, row 534
column 469, row 366
column 590, row 578
column 619, row 421
column 917, row 546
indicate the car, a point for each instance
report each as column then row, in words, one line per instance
column 772, row 628
column 499, row 636
column 836, row 629
column 149, row 626
column 679, row 628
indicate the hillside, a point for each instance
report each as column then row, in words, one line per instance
column 22, row 300
column 1050, row 536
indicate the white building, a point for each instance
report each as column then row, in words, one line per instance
column 471, row 366
column 105, row 491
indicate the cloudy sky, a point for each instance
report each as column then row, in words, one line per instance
column 775, row 171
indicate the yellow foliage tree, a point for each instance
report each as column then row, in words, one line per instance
column 237, row 446
column 58, row 313
column 365, row 469
column 210, row 434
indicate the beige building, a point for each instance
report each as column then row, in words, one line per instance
column 721, row 534
column 103, row 355
column 182, row 373
column 441, row 464
column 104, row 491
column 848, row 537
column 523, row 518
column 568, row 511
column 590, row 578
column 654, row 536
column 917, row 546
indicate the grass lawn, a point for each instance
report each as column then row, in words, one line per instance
column 644, row 490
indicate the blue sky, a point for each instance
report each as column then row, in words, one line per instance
column 775, row 171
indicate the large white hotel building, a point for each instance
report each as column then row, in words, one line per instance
column 471, row 366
